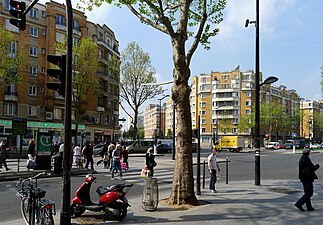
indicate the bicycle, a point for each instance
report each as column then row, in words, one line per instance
column 35, row 209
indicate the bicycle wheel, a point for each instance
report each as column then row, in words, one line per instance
column 25, row 209
column 46, row 217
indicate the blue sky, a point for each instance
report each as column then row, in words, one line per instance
column 291, row 42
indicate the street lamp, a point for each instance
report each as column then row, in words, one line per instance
column 269, row 80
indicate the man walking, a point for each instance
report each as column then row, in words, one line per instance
column 307, row 175
column 213, row 166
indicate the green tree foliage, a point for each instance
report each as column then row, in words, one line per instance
column 10, row 59
column 136, row 70
column 188, row 24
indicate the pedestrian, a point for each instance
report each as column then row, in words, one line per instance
column 55, row 148
column 111, row 147
column 125, row 154
column 213, row 166
column 87, row 152
column 31, row 162
column 306, row 174
column 150, row 161
column 104, row 155
column 77, row 156
column 116, row 161
column 3, row 152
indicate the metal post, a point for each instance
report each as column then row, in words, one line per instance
column 226, row 170
column 203, row 185
column 174, row 111
column 198, row 169
column 257, row 105
column 65, row 217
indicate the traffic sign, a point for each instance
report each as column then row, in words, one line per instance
column 294, row 135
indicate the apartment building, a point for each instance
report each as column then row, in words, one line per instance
column 155, row 120
column 43, row 108
column 223, row 99
column 311, row 124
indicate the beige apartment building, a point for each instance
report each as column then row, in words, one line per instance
column 222, row 99
column 154, row 120
column 43, row 108
column 311, row 124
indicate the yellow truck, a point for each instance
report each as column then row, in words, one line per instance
column 231, row 143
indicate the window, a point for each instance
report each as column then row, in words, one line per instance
column 7, row 5
column 33, row 13
column 43, row 52
column 33, row 70
column 203, row 121
column 203, row 130
column 32, row 90
column 31, row 110
column 58, row 113
column 33, row 51
column 234, row 130
column 248, row 103
column 75, row 25
column 10, row 109
column 43, row 32
column 12, row 49
column 60, row 20
column 248, row 93
column 203, row 104
column 203, row 95
column 43, row 13
column 204, row 80
column 10, row 89
column 76, row 42
column 33, row 31
column 248, row 111
column 203, row 113
column 60, row 37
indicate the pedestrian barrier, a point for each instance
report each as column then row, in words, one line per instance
column 226, row 170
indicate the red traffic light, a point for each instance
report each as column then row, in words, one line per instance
column 17, row 11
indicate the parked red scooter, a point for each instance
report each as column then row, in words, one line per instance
column 112, row 202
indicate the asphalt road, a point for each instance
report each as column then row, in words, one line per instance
column 274, row 165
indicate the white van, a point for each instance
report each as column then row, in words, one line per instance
column 140, row 146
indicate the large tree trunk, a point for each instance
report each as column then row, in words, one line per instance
column 183, row 182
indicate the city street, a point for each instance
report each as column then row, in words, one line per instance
column 275, row 165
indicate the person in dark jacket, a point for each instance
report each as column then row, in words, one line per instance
column 307, row 176
column 87, row 152
column 150, row 161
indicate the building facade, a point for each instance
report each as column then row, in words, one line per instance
column 43, row 108
column 224, row 102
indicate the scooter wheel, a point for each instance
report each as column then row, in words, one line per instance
column 120, row 211
column 76, row 210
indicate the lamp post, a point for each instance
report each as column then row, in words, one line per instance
column 158, row 125
column 269, row 80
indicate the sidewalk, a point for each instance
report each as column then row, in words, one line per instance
column 236, row 203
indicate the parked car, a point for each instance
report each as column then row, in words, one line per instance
column 279, row 146
column 163, row 148
column 140, row 146
column 97, row 149
column 288, row 145
column 271, row 145
column 315, row 145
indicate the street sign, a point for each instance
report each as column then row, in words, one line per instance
column 122, row 119
column 19, row 126
column 294, row 135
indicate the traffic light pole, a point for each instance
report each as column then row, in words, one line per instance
column 65, row 217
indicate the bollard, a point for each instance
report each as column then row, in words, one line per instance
column 226, row 170
column 203, row 175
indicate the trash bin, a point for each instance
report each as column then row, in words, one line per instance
column 150, row 194
column 58, row 163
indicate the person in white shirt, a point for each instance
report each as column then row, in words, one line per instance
column 213, row 166
column 77, row 155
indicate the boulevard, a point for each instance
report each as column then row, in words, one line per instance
column 275, row 165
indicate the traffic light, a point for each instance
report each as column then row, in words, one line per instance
column 59, row 74
column 17, row 11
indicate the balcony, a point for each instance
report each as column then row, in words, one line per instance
column 11, row 97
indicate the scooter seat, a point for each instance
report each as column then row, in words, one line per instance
column 101, row 190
